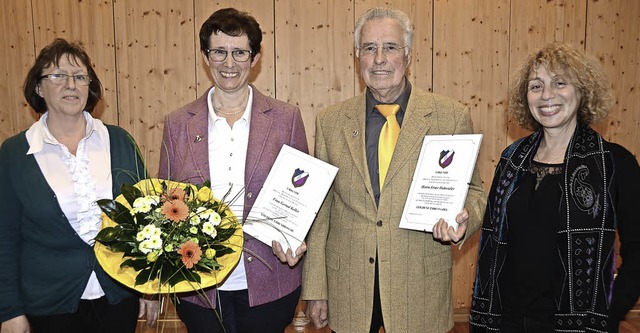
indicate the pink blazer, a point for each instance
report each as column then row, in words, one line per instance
column 184, row 156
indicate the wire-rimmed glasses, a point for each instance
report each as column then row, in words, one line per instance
column 61, row 78
column 387, row 49
column 221, row 55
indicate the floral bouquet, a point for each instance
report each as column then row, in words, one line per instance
column 160, row 236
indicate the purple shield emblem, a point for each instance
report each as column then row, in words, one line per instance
column 299, row 178
column 446, row 157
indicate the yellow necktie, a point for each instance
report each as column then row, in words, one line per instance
column 388, row 138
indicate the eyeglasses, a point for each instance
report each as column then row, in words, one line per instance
column 387, row 49
column 60, row 78
column 221, row 55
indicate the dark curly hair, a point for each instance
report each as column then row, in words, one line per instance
column 233, row 23
column 50, row 55
column 577, row 68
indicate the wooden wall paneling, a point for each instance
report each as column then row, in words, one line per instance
column 90, row 22
column 612, row 37
column 536, row 23
column 471, row 65
column 421, row 14
column 263, row 74
column 421, row 68
column 155, row 48
column 314, row 55
column 17, row 54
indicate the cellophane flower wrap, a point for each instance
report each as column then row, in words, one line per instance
column 161, row 236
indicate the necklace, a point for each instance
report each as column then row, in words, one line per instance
column 228, row 113
column 245, row 99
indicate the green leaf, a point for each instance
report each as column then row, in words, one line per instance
column 106, row 205
column 135, row 263
column 144, row 276
column 222, row 250
column 189, row 192
column 130, row 193
column 116, row 211
column 184, row 275
column 168, row 274
column 175, row 279
column 108, row 235
column 224, row 234
column 203, row 266
column 126, row 248
column 157, row 268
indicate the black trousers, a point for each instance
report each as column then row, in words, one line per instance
column 234, row 312
column 376, row 315
column 92, row 316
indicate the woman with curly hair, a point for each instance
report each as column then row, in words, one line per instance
column 547, row 254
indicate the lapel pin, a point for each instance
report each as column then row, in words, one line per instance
column 355, row 133
column 198, row 138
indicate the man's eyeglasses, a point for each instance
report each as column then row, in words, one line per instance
column 387, row 49
column 221, row 55
column 60, row 78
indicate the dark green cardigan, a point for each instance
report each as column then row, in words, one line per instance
column 44, row 264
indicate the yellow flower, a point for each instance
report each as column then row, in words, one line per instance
column 210, row 253
column 205, row 194
column 152, row 256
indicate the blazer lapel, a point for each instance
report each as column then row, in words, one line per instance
column 415, row 126
column 198, row 141
column 353, row 129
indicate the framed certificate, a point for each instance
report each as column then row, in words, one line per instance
column 441, row 180
column 290, row 198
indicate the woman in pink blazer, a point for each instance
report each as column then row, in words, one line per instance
column 231, row 135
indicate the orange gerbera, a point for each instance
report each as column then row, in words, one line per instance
column 175, row 210
column 191, row 253
column 176, row 193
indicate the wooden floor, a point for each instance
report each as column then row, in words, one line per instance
column 630, row 325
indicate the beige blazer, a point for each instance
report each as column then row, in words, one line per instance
column 415, row 270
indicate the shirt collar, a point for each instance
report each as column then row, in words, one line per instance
column 38, row 134
column 246, row 115
column 402, row 100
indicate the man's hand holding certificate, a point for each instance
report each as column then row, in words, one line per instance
column 441, row 180
column 290, row 199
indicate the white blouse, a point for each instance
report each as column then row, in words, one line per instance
column 78, row 181
column 227, row 159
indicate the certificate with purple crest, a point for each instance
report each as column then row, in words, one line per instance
column 441, row 180
column 290, row 198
